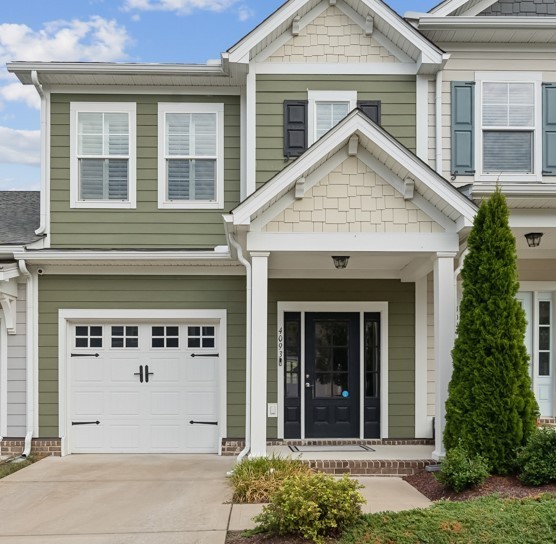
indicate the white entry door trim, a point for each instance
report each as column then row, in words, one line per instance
column 353, row 307
column 67, row 318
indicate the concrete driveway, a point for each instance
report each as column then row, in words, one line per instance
column 124, row 499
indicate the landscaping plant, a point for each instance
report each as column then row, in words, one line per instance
column 254, row 480
column 491, row 407
column 460, row 471
column 313, row 506
column 537, row 460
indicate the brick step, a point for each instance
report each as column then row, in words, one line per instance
column 357, row 467
column 549, row 421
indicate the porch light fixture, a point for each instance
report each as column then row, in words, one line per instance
column 340, row 261
column 534, row 238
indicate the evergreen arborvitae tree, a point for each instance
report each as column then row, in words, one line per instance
column 491, row 407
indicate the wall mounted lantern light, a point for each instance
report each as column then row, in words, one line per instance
column 340, row 262
column 534, row 239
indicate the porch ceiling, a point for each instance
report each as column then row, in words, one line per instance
column 360, row 265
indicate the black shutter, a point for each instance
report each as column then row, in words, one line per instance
column 295, row 127
column 371, row 108
column 549, row 129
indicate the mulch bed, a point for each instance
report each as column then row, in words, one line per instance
column 234, row 537
column 507, row 486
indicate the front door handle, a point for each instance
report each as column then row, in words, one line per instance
column 147, row 373
column 308, row 385
column 140, row 374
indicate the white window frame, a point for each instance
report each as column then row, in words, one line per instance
column 172, row 107
column 103, row 107
column 509, row 77
column 315, row 97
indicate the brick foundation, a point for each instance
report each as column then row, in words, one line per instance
column 233, row 446
column 390, row 467
column 41, row 447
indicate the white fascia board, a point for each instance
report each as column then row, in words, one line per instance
column 511, row 23
column 23, row 69
column 381, row 242
column 120, row 256
column 392, row 68
column 182, row 90
column 522, row 190
column 240, row 51
column 448, row 7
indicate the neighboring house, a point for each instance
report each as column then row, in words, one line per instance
column 190, row 288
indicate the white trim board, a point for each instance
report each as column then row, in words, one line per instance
column 352, row 307
column 3, row 377
column 68, row 317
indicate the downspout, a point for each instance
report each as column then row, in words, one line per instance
column 248, row 319
column 30, row 409
column 438, row 120
column 44, row 153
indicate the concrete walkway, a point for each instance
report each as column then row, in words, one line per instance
column 142, row 499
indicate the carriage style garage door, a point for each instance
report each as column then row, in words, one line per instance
column 144, row 387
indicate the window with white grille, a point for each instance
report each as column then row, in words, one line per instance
column 191, row 155
column 102, row 154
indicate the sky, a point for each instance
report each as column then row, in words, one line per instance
column 188, row 31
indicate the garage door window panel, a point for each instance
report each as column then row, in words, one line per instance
column 125, row 336
column 165, row 336
column 88, row 336
column 201, row 336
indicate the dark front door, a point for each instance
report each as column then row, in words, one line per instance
column 332, row 380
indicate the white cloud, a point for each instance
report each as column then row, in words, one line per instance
column 96, row 39
column 20, row 146
column 245, row 12
column 185, row 7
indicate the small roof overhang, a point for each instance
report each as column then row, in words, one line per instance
column 385, row 20
column 389, row 154
column 218, row 73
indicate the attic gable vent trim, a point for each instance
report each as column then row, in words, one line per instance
column 332, row 2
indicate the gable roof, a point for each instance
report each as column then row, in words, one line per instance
column 385, row 20
column 19, row 217
column 388, row 155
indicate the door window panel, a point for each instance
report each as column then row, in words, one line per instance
column 332, row 355
column 293, row 350
column 88, row 336
column 545, row 337
column 372, row 358
column 125, row 336
column 165, row 337
column 199, row 336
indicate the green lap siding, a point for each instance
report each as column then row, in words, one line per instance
column 136, row 293
column 396, row 92
column 146, row 226
column 401, row 337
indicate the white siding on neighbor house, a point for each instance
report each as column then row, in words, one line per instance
column 16, row 370
column 462, row 67
column 332, row 37
column 352, row 198
column 431, row 385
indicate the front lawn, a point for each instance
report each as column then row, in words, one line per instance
column 9, row 468
column 490, row 520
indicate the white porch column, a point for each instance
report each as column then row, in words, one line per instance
column 444, row 335
column 259, row 282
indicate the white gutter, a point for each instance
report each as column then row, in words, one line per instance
column 248, row 359
column 30, row 358
column 438, row 121
column 489, row 23
column 44, row 153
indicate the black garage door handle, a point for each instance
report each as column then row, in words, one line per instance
column 203, row 422
column 85, row 422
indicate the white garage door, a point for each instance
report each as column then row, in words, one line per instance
column 144, row 388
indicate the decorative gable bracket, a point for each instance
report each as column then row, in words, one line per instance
column 353, row 145
column 8, row 299
column 408, row 188
column 369, row 25
column 296, row 26
column 300, row 188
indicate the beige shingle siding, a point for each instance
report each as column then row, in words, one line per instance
column 353, row 199
column 332, row 37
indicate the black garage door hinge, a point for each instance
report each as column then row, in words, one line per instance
column 205, row 354
column 84, row 355
column 85, row 422
column 203, row 422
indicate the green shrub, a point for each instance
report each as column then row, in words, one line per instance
column 459, row 470
column 254, row 480
column 312, row 506
column 537, row 460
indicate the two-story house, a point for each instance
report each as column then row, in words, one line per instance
column 269, row 247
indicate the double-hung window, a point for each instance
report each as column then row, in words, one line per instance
column 191, row 155
column 510, row 139
column 102, row 150
column 327, row 109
